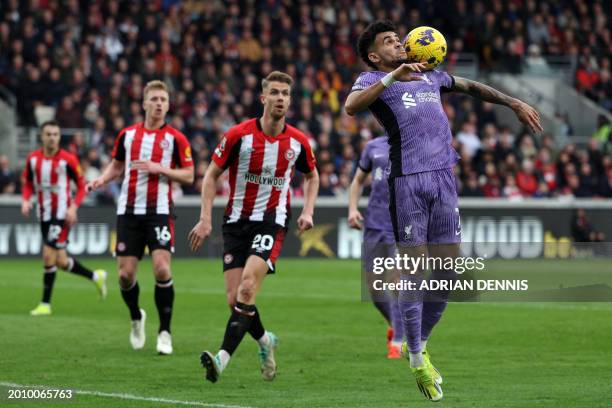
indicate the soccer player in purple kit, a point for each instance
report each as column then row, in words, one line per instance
column 378, row 235
column 423, row 195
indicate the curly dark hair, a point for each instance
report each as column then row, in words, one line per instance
column 366, row 39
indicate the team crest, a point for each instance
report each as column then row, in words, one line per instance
column 228, row 259
column 289, row 154
column 164, row 144
column 121, row 246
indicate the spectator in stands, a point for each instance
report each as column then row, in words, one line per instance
column 582, row 230
column 527, row 180
column 510, row 190
column 8, row 177
column 471, row 188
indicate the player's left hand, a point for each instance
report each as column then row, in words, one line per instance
column 528, row 115
column 305, row 222
column 148, row 166
column 71, row 216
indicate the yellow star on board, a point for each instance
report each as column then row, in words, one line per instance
column 314, row 238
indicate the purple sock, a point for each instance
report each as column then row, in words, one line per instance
column 383, row 308
column 396, row 321
column 411, row 309
column 432, row 312
column 434, row 305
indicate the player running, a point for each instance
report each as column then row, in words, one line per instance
column 262, row 155
column 153, row 155
column 423, row 192
column 47, row 174
column 378, row 235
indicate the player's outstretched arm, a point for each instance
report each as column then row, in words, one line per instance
column 355, row 218
column 358, row 101
column 209, row 189
column 311, row 189
column 525, row 113
column 183, row 175
column 111, row 172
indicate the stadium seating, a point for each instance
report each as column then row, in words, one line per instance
column 89, row 61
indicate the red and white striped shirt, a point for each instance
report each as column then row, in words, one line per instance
column 141, row 192
column 49, row 178
column 261, row 168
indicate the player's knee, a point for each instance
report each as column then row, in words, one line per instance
column 62, row 263
column 126, row 277
column 49, row 259
column 161, row 268
column 247, row 289
column 161, row 271
column 126, row 281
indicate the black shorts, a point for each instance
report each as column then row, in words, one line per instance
column 55, row 233
column 245, row 238
column 134, row 232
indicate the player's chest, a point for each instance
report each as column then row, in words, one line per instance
column 50, row 171
column 155, row 147
column 413, row 97
column 259, row 152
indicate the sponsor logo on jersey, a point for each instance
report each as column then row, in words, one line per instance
column 265, row 179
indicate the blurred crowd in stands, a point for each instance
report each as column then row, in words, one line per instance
column 89, row 60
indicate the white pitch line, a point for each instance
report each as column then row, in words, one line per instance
column 128, row 396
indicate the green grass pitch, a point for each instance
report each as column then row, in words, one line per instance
column 332, row 351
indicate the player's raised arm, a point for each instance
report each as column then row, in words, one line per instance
column 524, row 112
column 209, row 189
column 355, row 218
column 183, row 175
column 359, row 100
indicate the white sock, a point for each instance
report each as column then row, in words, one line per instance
column 416, row 360
column 224, row 358
column 264, row 341
column 95, row 276
column 397, row 344
column 423, row 344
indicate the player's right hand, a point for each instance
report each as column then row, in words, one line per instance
column 25, row 208
column 354, row 220
column 404, row 72
column 198, row 234
column 94, row 185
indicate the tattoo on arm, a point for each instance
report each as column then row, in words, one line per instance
column 481, row 91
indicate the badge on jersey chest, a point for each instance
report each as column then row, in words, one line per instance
column 289, row 154
column 164, row 144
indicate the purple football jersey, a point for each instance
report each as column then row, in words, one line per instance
column 413, row 117
column 375, row 160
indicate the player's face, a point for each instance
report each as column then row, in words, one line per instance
column 276, row 98
column 388, row 50
column 50, row 136
column 156, row 104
